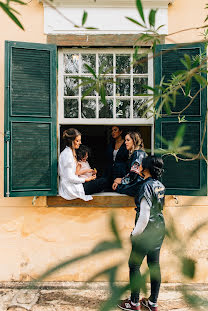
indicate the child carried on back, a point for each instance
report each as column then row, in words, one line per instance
column 83, row 168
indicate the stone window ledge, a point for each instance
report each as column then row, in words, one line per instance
column 115, row 200
column 107, row 199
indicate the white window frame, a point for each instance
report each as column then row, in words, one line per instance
column 101, row 121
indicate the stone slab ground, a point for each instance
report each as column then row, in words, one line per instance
column 74, row 296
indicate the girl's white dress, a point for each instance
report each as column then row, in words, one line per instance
column 70, row 185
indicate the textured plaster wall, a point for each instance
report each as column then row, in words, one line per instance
column 32, row 238
column 183, row 15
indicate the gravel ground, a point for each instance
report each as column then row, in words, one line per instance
column 72, row 296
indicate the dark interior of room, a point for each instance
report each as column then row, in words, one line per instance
column 97, row 137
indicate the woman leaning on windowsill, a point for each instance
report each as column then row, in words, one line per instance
column 130, row 183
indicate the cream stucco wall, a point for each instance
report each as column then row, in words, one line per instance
column 32, row 238
column 184, row 15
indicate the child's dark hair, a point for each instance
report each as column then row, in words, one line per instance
column 81, row 152
column 154, row 165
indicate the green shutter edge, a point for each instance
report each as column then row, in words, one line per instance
column 7, row 128
column 203, row 166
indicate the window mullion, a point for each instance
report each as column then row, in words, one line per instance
column 131, row 87
column 114, row 86
column 80, row 106
column 97, row 99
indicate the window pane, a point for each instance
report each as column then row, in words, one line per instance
column 88, row 90
column 109, row 87
column 122, row 63
column 139, row 108
column 88, row 108
column 70, row 108
column 71, row 63
column 141, row 66
column 122, row 87
column 71, row 86
column 122, row 108
column 106, row 111
column 106, row 62
column 138, row 88
column 88, row 59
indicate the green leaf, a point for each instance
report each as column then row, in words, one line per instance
column 102, row 94
column 152, row 17
column 116, row 294
column 91, row 28
column 201, row 80
column 114, row 228
column 7, row 10
column 197, row 228
column 188, row 87
column 188, row 60
column 90, row 70
column 188, row 267
column 140, row 9
column 111, row 272
column 18, row 1
column 178, row 140
column 88, row 91
column 136, row 22
column 84, row 18
column 100, row 248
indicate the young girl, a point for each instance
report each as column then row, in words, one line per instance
column 147, row 236
column 83, row 168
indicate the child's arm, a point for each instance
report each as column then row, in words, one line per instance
column 78, row 169
column 86, row 170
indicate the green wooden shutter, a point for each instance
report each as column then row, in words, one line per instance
column 30, row 120
column 183, row 178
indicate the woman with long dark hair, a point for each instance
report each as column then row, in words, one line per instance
column 130, row 182
column 71, row 186
column 117, row 155
column 147, row 236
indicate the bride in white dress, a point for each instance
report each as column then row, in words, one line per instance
column 71, row 185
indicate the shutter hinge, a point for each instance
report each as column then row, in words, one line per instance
column 7, row 136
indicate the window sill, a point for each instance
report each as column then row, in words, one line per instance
column 106, row 199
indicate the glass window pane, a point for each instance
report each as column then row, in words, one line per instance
column 106, row 111
column 71, row 63
column 141, row 65
column 109, row 87
column 123, row 64
column 138, row 88
column 70, row 108
column 122, row 87
column 88, row 89
column 122, row 108
column 71, row 86
column 105, row 62
column 139, row 108
column 88, row 108
column 88, row 59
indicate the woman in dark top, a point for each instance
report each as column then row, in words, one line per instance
column 117, row 156
column 147, row 236
column 131, row 181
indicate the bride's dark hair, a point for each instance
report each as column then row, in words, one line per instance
column 69, row 136
column 154, row 165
